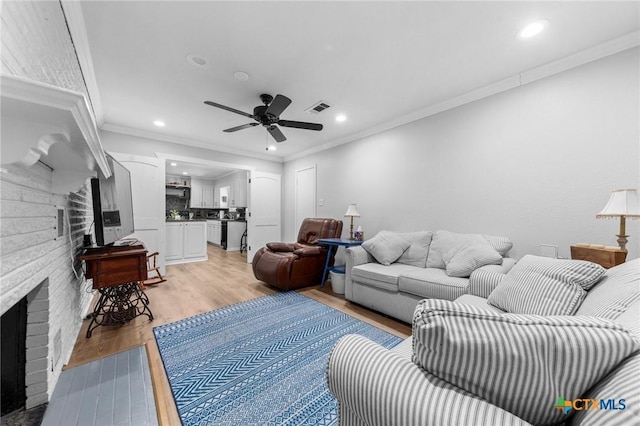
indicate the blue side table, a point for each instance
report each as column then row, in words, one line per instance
column 333, row 244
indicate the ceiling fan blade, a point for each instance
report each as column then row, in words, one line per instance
column 276, row 133
column 300, row 125
column 213, row 104
column 244, row 126
column 279, row 104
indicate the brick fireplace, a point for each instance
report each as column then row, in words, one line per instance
column 41, row 236
column 25, row 363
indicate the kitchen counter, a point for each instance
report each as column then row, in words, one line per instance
column 229, row 220
column 185, row 220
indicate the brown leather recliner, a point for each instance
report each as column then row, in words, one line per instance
column 288, row 266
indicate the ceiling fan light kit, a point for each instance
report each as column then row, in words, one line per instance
column 268, row 115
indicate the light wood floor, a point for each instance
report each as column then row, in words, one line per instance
column 193, row 288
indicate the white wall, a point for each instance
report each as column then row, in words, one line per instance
column 535, row 163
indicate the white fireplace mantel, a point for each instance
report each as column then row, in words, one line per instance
column 45, row 123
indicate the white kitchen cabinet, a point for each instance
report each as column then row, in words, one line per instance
column 238, row 193
column 201, row 193
column 195, row 240
column 214, row 232
column 186, row 242
column 175, row 241
column 216, row 195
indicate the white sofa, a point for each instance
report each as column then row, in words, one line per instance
column 420, row 272
column 377, row 386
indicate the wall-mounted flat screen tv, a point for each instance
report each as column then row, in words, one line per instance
column 112, row 204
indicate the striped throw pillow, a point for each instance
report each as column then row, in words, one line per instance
column 461, row 261
column 544, row 286
column 386, row 247
column 521, row 363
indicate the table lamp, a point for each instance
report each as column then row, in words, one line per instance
column 623, row 204
column 352, row 211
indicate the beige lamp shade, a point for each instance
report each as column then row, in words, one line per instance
column 623, row 202
column 352, row 211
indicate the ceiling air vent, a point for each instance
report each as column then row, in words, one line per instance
column 317, row 108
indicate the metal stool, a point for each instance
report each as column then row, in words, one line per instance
column 243, row 242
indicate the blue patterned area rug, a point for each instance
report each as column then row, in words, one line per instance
column 258, row 362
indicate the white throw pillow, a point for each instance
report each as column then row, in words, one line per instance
column 461, row 261
column 416, row 254
column 544, row 286
column 443, row 241
column 521, row 363
column 386, row 247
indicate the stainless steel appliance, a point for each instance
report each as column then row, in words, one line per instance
column 223, row 234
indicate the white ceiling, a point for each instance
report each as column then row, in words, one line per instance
column 377, row 62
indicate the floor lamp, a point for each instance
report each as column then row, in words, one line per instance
column 623, row 203
column 352, row 211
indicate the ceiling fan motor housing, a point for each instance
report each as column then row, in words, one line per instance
column 260, row 114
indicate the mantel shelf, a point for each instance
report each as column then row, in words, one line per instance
column 45, row 123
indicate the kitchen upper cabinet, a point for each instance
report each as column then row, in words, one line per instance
column 201, row 194
column 216, row 195
column 238, row 193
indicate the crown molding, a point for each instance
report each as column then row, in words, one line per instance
column 583, row 57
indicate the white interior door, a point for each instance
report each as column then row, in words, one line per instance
column 263, row 220
column 305, row 196
column 147, row 189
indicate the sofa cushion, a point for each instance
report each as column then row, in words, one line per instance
column 432, row 283
column 443, row 241
column 462, row 260
column 614, row 293
column 478, row 302
column 521, row 363
column 416, row 254
column 386, row 247
column 619, row 388
column 500, row 244
column 380, row 276
column 544, row 286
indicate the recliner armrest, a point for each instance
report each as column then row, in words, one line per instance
column 281, row 247
column 310, row 251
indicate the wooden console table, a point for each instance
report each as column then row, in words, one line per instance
column 608, row 257
column 116, row 271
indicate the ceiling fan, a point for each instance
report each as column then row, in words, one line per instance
column 269, row 115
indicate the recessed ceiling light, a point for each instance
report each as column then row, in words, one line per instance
column 159, row 123
column 272, row 148
column 196, row 59
column 174, row 164
column 340, row 118
column 533, row 28
column 241, row 75
column 185, row 173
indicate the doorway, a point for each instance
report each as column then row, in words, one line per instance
column 305, row 196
